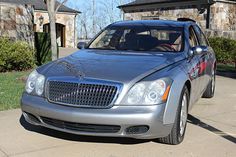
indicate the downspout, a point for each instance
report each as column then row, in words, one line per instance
column 208, row 18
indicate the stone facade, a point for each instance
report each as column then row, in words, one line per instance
column 168, row 15
column 67, row 20
column 222, row 20
column 19, row 22
column 218, row 33
column 16, row 22
column 223, row 16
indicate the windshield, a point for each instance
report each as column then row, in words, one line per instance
column 140, row 38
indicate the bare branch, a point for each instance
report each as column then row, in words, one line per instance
column 60, row 4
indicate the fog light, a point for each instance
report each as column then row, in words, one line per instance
column 137, row 129
column 31, row 117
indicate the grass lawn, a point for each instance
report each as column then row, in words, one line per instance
column 11, row 88
column 226, row 68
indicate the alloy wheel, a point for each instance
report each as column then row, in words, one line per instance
column 213, row 81
column 183, row 114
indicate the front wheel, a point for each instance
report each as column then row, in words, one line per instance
column 178, row 131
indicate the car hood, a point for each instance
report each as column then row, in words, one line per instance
column 111, row 65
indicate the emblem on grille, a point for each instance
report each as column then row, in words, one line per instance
column 74, row 70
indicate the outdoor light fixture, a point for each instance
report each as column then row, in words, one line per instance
column 41, row 19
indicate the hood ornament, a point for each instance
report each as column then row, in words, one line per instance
column 72, row 69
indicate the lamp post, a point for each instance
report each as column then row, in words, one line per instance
column 41, row 19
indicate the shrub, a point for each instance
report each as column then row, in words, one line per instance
column 15, row 55
column 43, row 48
column 225, row 49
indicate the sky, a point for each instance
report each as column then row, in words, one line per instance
column 79, row 4
column 105, row 13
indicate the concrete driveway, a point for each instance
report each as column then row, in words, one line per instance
column 211, row 131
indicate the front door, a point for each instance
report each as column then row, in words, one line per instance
column 194, row 69
column 60, row 33
column 206, row 62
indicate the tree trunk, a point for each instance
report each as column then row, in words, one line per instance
column 52, row 18
column 85, row 30
column 53, row 39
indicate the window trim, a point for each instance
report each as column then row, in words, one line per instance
column 201, row 33
column 194, row 33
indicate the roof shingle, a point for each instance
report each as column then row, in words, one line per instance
column 40, row 5
column 145, row 2
column 152, row 5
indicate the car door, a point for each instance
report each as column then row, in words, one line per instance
column 205, row 65
column 194, row 62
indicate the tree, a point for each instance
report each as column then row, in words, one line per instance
column 52, row 7
column 96, row 15
column 84, row 21
column 110, row 10
column 94, row 18
column 84, row 25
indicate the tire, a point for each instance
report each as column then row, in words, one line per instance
column 177, row 133
column 210, row 90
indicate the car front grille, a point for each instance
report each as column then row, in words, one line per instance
column 91, row 128
column 81, row 94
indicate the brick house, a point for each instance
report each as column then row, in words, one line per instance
column 217, row 17
column 36, row 11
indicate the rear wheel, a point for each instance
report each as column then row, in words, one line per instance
column 178, row 131
column 210, row 90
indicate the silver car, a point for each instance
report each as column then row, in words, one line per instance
column 136, row 79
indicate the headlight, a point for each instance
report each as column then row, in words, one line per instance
column 136, row 93
column 30, row 84
column 39, row 85
column 35, row 82
column 148, row 93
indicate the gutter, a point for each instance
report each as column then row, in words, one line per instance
column 225, row 1
column 168, row 2
column 59, row 12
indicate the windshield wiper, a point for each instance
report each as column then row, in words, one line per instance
column 103, row 48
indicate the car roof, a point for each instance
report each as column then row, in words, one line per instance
column 154, row 23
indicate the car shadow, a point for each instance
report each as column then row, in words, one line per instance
column 198, row 122
column 78, row 138
column 116, row 140
column 226, row 74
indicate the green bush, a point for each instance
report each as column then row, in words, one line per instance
column 225, row 49
column 15, row 55
column 43, row 48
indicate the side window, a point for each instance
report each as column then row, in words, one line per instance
column 201, row 37
column 192, row 37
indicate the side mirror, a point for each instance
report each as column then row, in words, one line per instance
column 199, row 50
column 81, row 45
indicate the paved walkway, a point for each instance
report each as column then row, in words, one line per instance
column 211, row 131
column 63, row 52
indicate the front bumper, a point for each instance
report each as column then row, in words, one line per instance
column 123, row 116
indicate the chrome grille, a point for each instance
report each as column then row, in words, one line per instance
column 82, row 94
